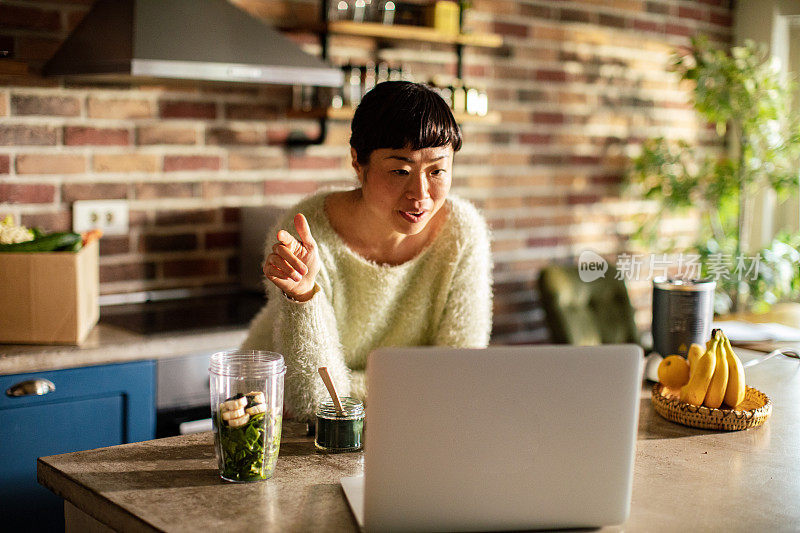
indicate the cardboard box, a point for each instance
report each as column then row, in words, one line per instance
column 49, row 297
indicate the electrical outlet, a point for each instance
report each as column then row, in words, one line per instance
column 111, row 216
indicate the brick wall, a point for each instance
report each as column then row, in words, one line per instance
column 579, row 84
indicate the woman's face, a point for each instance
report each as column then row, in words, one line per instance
column 403, row 189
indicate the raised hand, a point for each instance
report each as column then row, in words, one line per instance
column 293, row 264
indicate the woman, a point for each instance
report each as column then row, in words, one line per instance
column 393, row 262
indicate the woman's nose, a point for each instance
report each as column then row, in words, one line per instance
column 418, row 187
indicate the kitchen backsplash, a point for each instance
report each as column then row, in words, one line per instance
column 578, row 85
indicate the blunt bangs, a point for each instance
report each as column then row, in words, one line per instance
column 397, row 114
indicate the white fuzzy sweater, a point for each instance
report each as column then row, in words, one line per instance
column 443, row 296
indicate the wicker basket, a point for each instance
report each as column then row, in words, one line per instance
column 752, row 412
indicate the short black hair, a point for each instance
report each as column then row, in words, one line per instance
column 396, row 114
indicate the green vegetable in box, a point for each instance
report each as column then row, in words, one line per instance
column 16, row 238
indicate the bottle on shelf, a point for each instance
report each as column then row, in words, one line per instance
column 340, row 10
column 459, row 94
column 382, row 72
column 385, row 10
column 360, row 10
column 369, row 78
column 473, row 101
column 353, row 86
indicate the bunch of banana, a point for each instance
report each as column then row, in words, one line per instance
column 716, row 375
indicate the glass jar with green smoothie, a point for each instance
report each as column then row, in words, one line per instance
column 246, row 409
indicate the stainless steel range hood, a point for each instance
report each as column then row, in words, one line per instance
column 140, row 40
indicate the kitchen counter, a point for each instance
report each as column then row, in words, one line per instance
column 151, row 330
column 684, row 478
column 108, row 344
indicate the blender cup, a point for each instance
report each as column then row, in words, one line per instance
column 246, row 411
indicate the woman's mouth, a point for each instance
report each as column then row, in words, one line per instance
column 412, row 216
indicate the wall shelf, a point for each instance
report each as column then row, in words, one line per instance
column 346, row 113
column 413, row 33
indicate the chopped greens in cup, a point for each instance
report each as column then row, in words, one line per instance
column 248, row 437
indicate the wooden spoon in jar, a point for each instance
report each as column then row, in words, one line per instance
column 326, row 378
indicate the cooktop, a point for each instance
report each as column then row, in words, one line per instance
column 186, row 314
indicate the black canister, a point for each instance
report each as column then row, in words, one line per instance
column 682, row 314
column 340, row 432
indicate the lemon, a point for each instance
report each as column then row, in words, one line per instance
column 673, row 372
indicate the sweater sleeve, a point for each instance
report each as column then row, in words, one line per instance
column 467, row 318
column 307, row 337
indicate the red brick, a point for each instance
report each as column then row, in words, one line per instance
column 193, row 268
column 79, row 135
column 125, row 162
column 535, row 11
column 93, row 191
column 127, row 272
column 5, row 164
column 657, row 7
column 228, row 136
column 50, row 221
column 119, row 108
column 26, row 193
column 252, row 111
column 147, row 191
column 216, row 189
column 535, row 242
column 574, row 15
column 50, row 164
column 115, row 244
column 584, row 160
column 174, row 163
column 613, row 21
column 29, row 18
column 23, row 135
column 548, row 118
column 187, row 216
column 60, row 106
column 573, row 199
column 168, row 243
column 507, row 28
column 606, row 179
column 244, row 161
column 221, row 239
column 692, row 13
column 148, row 135
column 272, row 187
column 551, row 75
column 535, row 138
column 309, row 162
column 180, row 109
column 678, row 29
column 646, row 25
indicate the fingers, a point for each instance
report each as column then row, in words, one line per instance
column 283, row 268
column 303, row 230
column 290, row 262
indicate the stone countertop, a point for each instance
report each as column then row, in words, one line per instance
column 684, row 478
column 108, row 344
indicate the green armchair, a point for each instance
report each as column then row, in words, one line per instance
column 586, row 313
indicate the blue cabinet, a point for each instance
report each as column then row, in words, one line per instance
column 90, row 407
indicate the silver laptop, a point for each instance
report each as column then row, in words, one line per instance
column 503, row 438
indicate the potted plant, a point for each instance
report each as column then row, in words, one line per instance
column 744, row 95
